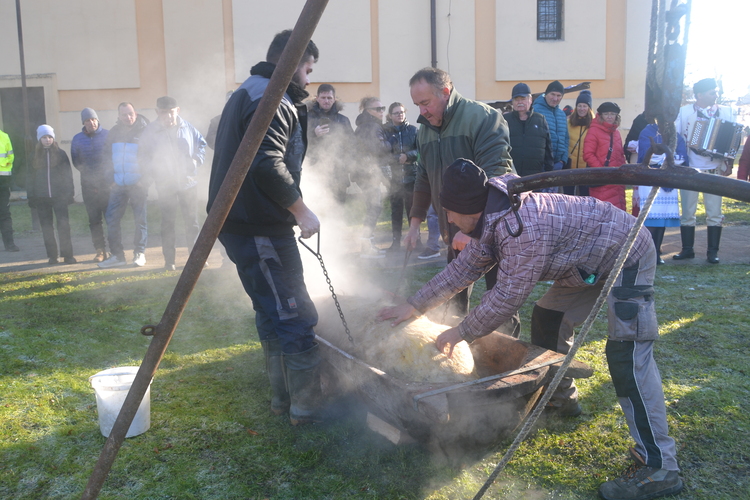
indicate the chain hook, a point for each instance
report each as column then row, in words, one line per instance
column 330, row 286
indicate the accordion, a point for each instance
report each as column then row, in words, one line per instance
column 716, row 138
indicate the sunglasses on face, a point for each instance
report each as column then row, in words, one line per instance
column 380, row 109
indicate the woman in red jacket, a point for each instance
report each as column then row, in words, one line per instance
column 603, row 148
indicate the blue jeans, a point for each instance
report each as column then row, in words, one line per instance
column 270, row 270
column 433, row 230
column 119, row 198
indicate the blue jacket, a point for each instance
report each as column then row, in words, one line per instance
column 558, row 128
column 120, row 157
column 86, row 153
column 171, row 156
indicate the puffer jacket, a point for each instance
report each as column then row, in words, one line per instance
column 403, row 139
column 86, row 153
column 50, row 176
column 595, row 149
column 530, row 143
column 120, row 156
column 171, row 157
column 557, row 122
column 471, row 130
column 273, row 181
column 564, row 238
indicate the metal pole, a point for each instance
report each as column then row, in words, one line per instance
column 24, row 94
column 162, row 333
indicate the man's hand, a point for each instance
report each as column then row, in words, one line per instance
column 402, row 158
column 398, row 314
column 410, row 241
column 460, row 240
column 449, row 339
column 321, row 130
column 306, row 220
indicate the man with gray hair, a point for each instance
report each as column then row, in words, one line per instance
column 452, row 127
column 86, row 152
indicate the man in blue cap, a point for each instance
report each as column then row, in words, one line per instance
column 530, row 141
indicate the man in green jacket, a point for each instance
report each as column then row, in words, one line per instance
column 452, row 127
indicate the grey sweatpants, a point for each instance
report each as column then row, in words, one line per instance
column 632, row 329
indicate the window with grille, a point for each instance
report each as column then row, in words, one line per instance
column 549, row 19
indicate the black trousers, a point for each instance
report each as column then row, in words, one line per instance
column 6, row 222
column 49, row 210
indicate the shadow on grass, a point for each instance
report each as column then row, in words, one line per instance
column 213, row 436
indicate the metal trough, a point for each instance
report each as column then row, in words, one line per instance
column 450, row 419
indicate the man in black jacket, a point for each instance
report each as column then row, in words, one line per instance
column 529, row 135
column 331, row 139
column 259, row 232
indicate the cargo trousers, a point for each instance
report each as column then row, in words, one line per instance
column 270, row 269
column 632, row 330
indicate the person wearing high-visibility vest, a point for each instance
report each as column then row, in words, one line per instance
column 6, row 168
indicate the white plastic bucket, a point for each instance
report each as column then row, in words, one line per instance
column 111, row 387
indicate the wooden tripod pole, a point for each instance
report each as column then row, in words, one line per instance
column 162, row 333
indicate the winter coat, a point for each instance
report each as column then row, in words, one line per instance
column 743, row 169
column 273, row 181
column 577, row 136
column 557, row 122
column 86, row 152
column 373, row 150
column 120, row 156
column 50, row 176
column 530, row 143
column 564, row 239
column 333, row 150
column 403, row 139
column 595, row 149
column 471, row 130
column 171, row 156
column 337, row 123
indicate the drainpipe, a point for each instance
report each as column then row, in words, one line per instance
column 433, row 32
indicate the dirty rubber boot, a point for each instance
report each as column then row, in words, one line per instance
column 275, row 369
column 714, row 236
column 657, row 233
column 303, row 381
column 641, row 482
column 687, row 234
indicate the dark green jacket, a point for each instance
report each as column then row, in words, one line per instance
column 471, row 130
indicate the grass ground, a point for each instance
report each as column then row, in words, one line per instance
column 212, row 435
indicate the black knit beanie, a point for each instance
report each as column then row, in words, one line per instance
column 555, row 87
column 465, row 188
column 585, row 97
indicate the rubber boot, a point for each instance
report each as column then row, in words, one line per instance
column 657, row 233
column 714, row 236
column 303, row 381
column 687, row 234
column 275, row 368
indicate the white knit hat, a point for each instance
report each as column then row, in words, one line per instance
column 44, row 130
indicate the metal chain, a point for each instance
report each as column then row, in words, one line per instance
column 330, row 286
